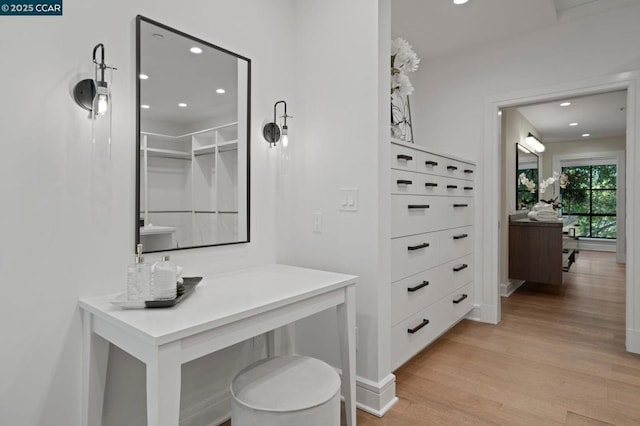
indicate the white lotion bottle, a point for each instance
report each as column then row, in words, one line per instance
column 139, row 278
column 165, row 279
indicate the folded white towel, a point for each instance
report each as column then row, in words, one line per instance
column 541, row 205
column 543, row 215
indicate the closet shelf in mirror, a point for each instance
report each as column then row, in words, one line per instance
column 155, row 230
column 168, row 153
column 210, row 149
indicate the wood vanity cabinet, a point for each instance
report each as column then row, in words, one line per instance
column 536, row 251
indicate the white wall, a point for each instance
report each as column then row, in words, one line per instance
column 335, row 144
column 451, row 91
column 578, row 147
column 68, row 223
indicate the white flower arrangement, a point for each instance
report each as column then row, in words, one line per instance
column 563, row 181
column 531, row 185
column 403, row 61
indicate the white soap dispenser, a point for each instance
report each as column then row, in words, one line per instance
column 139, row 278
column 165, row 279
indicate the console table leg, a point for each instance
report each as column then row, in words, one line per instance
column 347, row 326
column 95, row 359
column 163, row 386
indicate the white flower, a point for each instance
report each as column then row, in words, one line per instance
column 403, row 60
column 400, row 83
column 564, row 180
column 531, row 186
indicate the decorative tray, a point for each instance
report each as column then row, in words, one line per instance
column 184, row 290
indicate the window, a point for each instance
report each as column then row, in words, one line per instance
column 591, row 196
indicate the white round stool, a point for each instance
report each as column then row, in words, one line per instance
column 286, row 390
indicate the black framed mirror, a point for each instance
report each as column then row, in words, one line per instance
column 192, row 141
column 527, row 165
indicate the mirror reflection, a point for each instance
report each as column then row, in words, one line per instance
column 526, row 164
column 193, row 141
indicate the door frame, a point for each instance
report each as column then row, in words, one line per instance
column 489, row 287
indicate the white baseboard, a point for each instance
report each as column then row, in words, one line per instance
column 376, row 398
column 633, row 341
column 507, row 289
column 484, row 313
column 597, row 245
column 212, row 411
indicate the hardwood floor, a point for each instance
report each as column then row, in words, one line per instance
column 556, row 358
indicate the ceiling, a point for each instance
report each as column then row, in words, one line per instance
column 178, row 76
column 438, row 27
column 601, row 116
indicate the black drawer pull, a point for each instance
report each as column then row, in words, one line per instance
column 460, row 268
column 418, row 247
column 452, row 168
column 405, row 157
column 404, row 182
column 430, row 163
column 461, row 205
column 452, row 186
column 464, row 296
column 468, row 171
column 418, row 287
column 430, row 185
column 468, row 188
column 459, row 237
column 418, row 327
column 418, row 206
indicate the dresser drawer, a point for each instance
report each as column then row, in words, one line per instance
column 460, row 303
column 411, row 294
column 413, row 254
column 413, row 334
column 458, row 212
column 415, row 214
column 403, row 158
column 405, row 182
column 457, row 242
column 458, row 169
column 431, row 163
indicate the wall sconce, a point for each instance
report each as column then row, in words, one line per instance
column 271, row 131
column 535, row 143
column 94, row 95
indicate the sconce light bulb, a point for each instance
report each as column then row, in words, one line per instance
column 285, row 140
column 103, row 104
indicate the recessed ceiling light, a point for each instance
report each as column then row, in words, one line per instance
column 145, row 106
column 221, row 91
column 144, row 77
column 182, row 105
column 573, row 124
column 460, row 1
column 564, row 104
column 586, row 135
column 196, row 50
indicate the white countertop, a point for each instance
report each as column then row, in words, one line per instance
column 218, row 300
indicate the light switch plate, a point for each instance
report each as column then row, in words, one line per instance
column 349, row 199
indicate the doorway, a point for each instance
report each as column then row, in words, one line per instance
column 491, row 222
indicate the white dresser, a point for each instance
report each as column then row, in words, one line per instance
column 432, row 236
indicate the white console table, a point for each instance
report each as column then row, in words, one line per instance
column 224, row 309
